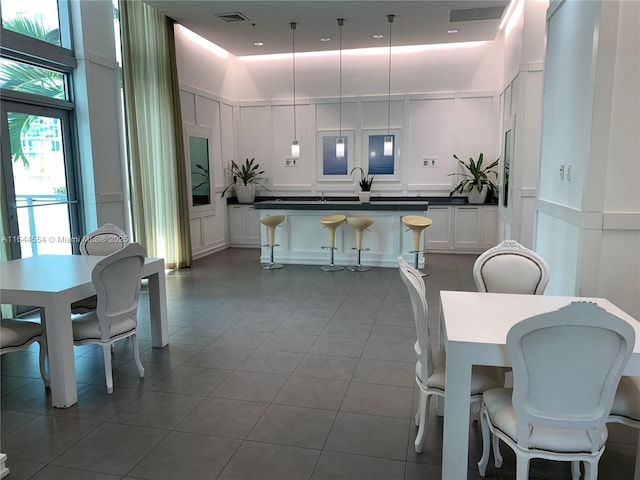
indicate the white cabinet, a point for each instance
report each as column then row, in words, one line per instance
column 244, row 226
column 439, row 234
column 466, row 230
column 462, row 228
column 489, row 224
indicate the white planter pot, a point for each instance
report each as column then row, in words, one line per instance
column 475, row 197
column 245, row 193
column 364, row 197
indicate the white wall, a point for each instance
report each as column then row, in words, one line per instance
column 444, row 101
column 447, row 68
column 591, row 119
column 524, row 40
column 618, row 266
column 98, row 115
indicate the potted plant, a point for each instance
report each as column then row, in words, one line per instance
column 365, row 182
column 477, row 179
column 245, row 178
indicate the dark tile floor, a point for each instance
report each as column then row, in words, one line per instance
column 270, row 375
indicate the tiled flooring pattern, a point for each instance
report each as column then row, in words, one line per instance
column 292, row 374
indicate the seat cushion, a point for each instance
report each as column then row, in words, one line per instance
column 15, row 333
column 503, row 417
column 87, row 327
column 627, row 400
column 482, row 378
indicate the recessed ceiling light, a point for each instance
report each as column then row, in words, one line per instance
column 453, row 30
column 258, row 44
column 325, row 39
column 378, row 35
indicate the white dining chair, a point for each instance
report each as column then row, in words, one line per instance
column 510, row 267
column 626, row 409
column 430, row 365
column 116, row 279
column 566, row 366
column 16, row 335
column 103, row 241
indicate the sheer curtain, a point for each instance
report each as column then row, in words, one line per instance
column 159, row 200
column 6, row 311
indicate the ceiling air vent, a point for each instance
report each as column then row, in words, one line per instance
column 232, row 17
column 469, row 14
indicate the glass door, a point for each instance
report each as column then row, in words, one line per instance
column 38, row 181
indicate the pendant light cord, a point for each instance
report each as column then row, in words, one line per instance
column 390, row 18
column 340, row 22
column 293, row 34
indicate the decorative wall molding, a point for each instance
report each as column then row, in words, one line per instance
column 621, row 221
column 591, row 220
column 110, row 197
column 203, row 93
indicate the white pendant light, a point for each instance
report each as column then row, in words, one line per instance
column 340, row 139
column 340, row 147
column 295, row 146
column 388, row 146
column 295, row 149
column 388, row 139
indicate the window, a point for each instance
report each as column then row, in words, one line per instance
column 38, row 167
column 35, row 19
column 374, row 161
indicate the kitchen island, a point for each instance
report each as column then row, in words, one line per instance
column 302, row 236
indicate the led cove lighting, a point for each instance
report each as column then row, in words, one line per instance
column 398, row 50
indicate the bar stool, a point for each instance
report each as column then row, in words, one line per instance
column 417, row 224
column 332, row 222
column 271, row 222
column 359, row 225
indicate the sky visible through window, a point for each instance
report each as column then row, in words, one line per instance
column 20, row 16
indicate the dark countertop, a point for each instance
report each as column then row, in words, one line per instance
column 350, row 203
column 286, row 204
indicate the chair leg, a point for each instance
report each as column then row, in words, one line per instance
column 108, row 372
column 522, row 467
column 475, row 411
column 497, row 456
column 486, row 444
column 422, row 426
column 43, row 359
column 638, row 457
column 575, row 470
column 136, row 355
column 591, row 470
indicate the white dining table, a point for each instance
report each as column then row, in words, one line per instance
column 53, row 282
column 473, row 330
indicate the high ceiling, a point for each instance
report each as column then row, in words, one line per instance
column 416, row 23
